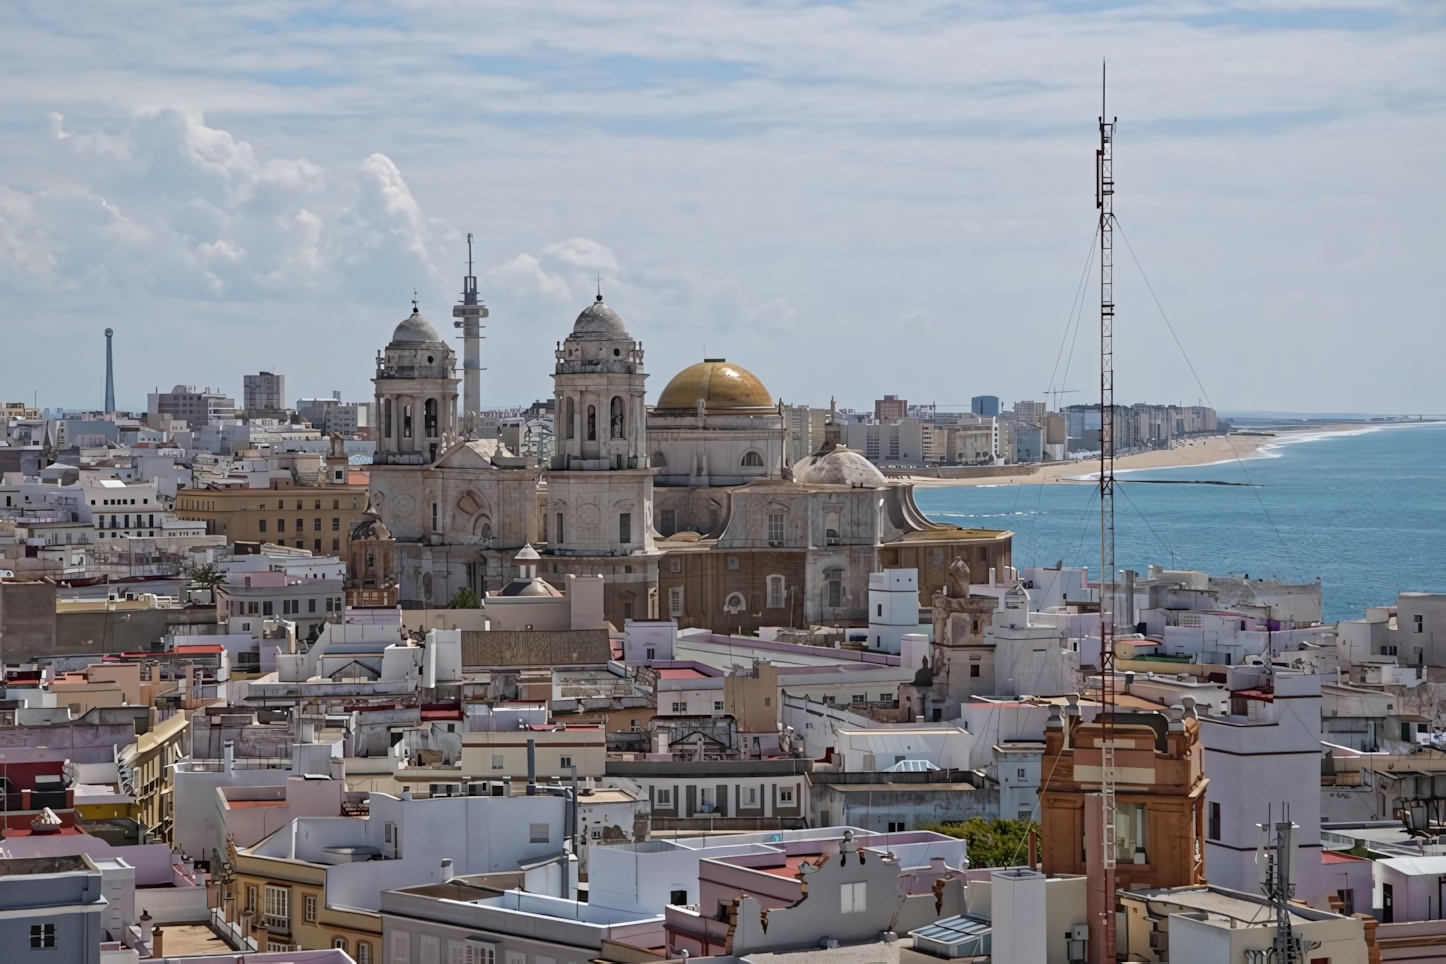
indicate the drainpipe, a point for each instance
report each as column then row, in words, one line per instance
column 531, row 767
column 572, row 811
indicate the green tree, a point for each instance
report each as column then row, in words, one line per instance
column 464, row 598
column 992, row 843
column 207, row 575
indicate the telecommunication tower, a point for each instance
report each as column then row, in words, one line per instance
column 109, row 373
column 1104, row 203
column 470, row 314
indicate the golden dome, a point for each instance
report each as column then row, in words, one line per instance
column 725, row 387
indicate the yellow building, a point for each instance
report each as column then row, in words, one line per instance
column 284, row 903
column 148, row 771
column 318, row 518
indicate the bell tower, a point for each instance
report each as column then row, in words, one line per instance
column 416, row 394
column 600, row 486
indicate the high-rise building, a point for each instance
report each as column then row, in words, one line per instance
column 986, row 405
column 264, row 395
column 889, row 408
column 1030, row 412
column 185, row 403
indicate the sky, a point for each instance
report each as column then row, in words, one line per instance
column 847, row 199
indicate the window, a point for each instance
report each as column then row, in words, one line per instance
column 775, row 592
column 315, row 524
column 571, row 420
column 752, row 460
column 853, row 898
column 560, row 538
column 625, row 527
column 1020, row 774
column 668, row 521
column 775, row 528
column 268, row 608
column 592, row 423
column 616, row 417
column 717, row 706
column 665, row 797
column 539, row 833
column 896, row 827
column 335, row 545
column 429, row 944
column 675, row 601
column 308, row 906
column 835, row 592
column 1130, row 832
column 401, row 948
column 1214, row 823
column 1417, row 623
column 406, row 421
column 680, row 707
column 311, row 605
column 675, row 564
column 707, row 800
column 732, row 562
column 474, row 952
column 564, row 762
column 338, row 942
column 859, row 698
column 974, row 671
column 316, row 543
column 751, row 797
column 429, row 417
column 880, row 613
column 278, row 906
column 497, row 761
column 363, row 952
column 261, row 525
column 785, row 795
column 678, row 897
column 42, row 935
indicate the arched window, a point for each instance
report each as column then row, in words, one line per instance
column 775, row 592
column 659, row 460
column 592, row 423
column 387, row 416
column 616, row 419
column 406, row 421
column 734, row 603
column 752, row 460
column 571, row 419
column 339, row 943
column 429, row 417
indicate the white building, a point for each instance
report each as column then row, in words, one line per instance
column 893, row 608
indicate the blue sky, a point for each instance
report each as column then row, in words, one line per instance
column 847, row 198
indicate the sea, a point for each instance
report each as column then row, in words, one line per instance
column 1363, row 511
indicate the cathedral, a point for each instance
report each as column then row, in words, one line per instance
column 689, row 509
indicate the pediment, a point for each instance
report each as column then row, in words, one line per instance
column 474, row 454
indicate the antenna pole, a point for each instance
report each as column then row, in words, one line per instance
column 1104, row 202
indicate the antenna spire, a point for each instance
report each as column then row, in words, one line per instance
column 599, row 286
column 414, row 300
column 1102, row 931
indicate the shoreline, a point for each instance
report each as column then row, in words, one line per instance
column 1211, row 450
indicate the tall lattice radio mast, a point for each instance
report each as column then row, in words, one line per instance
column 1104, row 202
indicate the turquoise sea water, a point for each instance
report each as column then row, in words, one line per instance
column 1365, row 512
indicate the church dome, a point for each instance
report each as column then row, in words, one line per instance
column 415, row 329
column 598, row 322
column 725, row 387
column 839, row 466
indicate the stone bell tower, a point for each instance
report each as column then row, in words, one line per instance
column 416, row 395
column 600, row 487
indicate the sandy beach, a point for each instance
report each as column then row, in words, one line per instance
column 1204, row 451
